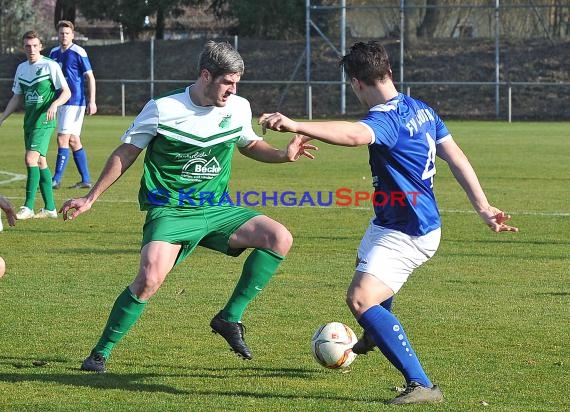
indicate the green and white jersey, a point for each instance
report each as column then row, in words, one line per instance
column 38, row 82
column 189, row 149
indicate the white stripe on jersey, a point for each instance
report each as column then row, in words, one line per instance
column 181, row 138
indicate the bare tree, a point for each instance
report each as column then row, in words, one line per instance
column 64, row 10
column 431, row 19
column 15, row 18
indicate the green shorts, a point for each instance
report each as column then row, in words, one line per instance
column 37, row 140
column 209, row 226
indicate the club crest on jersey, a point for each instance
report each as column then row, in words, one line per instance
column 39, row 71
column 225, row 122
column 199, row 169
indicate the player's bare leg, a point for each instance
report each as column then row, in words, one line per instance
column 157, row 259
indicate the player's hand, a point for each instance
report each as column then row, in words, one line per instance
column 278, row 122
column 74, row 207
column 91, row 108
column 7, row 207
column 51, row 112
column 496, row 218
column 298, row 147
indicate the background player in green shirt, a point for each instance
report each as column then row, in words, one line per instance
column 189, row 136
column 40, row 83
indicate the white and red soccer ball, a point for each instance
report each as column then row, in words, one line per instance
column 332, row 345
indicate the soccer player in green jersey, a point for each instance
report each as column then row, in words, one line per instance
column 40, row 83
column 189, row 136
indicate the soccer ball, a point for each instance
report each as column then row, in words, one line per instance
column 332, row 345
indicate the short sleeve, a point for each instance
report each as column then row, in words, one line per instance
column 16, row 89
column 383, row 127
column 57, row 77
column 441, row 132
column 247, row 133
column 144, row 127
column 85, row 64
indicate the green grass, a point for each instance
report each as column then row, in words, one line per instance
column 488, row 315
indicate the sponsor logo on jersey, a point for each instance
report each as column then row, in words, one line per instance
column 200, row 168
column 32, row 97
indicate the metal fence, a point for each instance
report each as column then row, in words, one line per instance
column 416, row 24
column 491, row 61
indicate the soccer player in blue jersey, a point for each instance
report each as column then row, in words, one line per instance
column 403, row 135
column 76, row 67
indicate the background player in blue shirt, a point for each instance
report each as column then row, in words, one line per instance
column 403, row 135
column 76, row 67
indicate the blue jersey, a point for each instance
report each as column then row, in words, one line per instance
column 74, row 64
column 402, row 161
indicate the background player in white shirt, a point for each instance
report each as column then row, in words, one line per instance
column 76, row 67
column 189, row 136
column 403, row 135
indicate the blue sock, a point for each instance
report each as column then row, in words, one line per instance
column 389, row 336
column 80, row 158
column 60, row 163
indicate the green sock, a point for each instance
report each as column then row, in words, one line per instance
column 126, row 311
column 32, row 183
column 46, row 189
column 258, row 268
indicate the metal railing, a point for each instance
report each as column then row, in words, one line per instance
column 512, row 91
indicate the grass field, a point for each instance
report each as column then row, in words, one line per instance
column 488, row 316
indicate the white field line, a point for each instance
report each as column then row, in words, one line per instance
column 12, row 177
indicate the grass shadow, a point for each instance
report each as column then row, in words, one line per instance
column 132, row 381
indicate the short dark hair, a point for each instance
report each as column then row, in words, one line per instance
column 31, row 34
column 220, row 58
column 367, row 62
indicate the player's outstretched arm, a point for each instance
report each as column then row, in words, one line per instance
column 465, row 175
column 117, row 164
column 340, row 133
column 262, row 151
